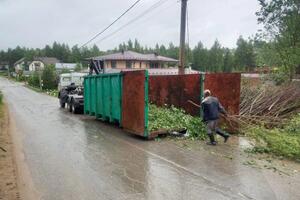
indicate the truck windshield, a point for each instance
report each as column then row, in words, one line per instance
column 66, row 79
column 78, row 80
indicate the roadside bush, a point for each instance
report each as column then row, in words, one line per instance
column 53, row 93
column 49, row 77
column 34, row 80
column 21, row 78
column 283, row 142
column 279, row 77
column 1, row 98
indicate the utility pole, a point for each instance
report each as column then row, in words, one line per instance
column 182, row 37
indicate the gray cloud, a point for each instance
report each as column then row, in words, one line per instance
column 35, row 23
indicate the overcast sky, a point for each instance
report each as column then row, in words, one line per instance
column 35, row 23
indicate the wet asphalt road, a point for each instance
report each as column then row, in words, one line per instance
column 76, row 157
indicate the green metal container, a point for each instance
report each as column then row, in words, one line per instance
column 103, row 96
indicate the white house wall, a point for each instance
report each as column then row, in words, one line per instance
column 35, row 64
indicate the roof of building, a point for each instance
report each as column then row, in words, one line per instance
column 131, row 55
column 156, row 72
column 19, row 61
column 47, row 60
column 65, row 65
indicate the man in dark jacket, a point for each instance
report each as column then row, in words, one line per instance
column 211, row 109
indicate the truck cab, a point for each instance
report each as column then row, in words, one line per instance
column 68, row 78
column 70, row 93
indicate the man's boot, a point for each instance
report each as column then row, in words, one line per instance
column 223, row 134
column 212, row 140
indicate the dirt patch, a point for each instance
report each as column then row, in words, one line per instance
column 8, row 180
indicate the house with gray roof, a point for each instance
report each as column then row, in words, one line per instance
column 38, row 63
column 134, row 60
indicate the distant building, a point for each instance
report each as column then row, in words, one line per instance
column 67, row 66
column 134, row 60
column 38, row 63
column 21, row 65
column 4, row 66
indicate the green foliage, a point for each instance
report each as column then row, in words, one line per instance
column 34, row 79
column 1, row 98
column 49, row 77
column 21, row 78
column 78, row 67
column 294, row 126
column 215, row 61
column 216, row 58
column 266, row 54
column 228, row 61
column 64, row 71
column 200, row 57
column 244, row 55
column 279, row 76
column 281, row 19
column 163, row 118
column 53, row 93
column 280, row 142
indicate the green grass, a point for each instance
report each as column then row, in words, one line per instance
column 1, row 104
column 284, row 142
column 1, row 98
column 53, row 93
column 172, row 118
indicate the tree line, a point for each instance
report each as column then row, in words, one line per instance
column 214, row 59
column 277, row 45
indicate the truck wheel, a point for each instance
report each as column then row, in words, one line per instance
column 70, row 106
column 74, row 109
column 62, row 104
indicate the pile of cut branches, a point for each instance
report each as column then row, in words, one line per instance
column 270, row 105
column 173, row 119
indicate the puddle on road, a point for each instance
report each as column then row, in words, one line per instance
column 244, row 143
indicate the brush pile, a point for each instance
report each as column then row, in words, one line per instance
column 173, row 119
column 270, row 105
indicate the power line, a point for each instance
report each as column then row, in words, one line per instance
column 111, row 24
column 140, row 23
column 153, row 7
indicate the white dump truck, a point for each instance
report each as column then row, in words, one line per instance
column 70, row 93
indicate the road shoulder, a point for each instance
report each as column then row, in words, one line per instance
column 25, row 182
column 8, row 178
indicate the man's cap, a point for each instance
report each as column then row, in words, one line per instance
column 207, row 92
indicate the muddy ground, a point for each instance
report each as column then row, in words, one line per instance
column 64, row 156
column 8, row 181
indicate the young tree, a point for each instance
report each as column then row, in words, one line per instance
column 215, row 62
column 200, row 57
column 244, row 55
column 130, row 45
column 34, row 79
column 137, row 47
column 281, row 19
column 49, row 77
column 266, row 54
column 228, row 61
column 78, row 67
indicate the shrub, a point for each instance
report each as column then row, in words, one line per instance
column 49, row 77
column 1, row 98
column 279, row 77
column 280, row 142
column 34, row 80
